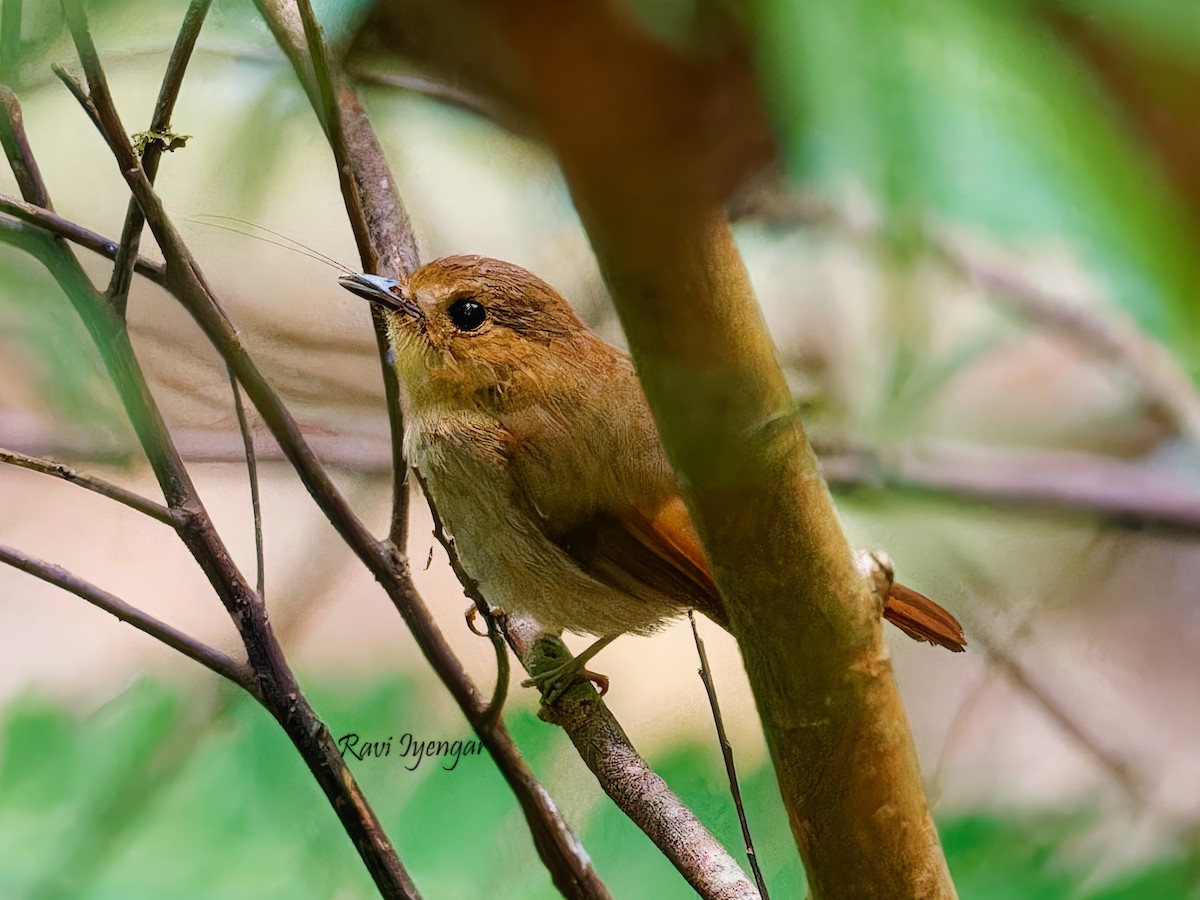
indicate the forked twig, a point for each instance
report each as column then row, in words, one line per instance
column 209, row 657
column 131, row 234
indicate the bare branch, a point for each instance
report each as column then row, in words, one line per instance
column 382, row 230
column 131, row 234
column 16, row 144
column 1104, row 332
column 252, row 475
column 651, row 196
column 727, row 755
column 77, row 234
column 572, row 871
column 210, row 658
column 122, row 495
column 636, row 788
column 1126, row 492
column 604, row 747
column 279, row 692
column 1023, row 680
column 451, row 95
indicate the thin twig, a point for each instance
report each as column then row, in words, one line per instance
column 727, row 755
column 131, row 234
column 497, row 633
column 252, row 474
column 77, row 234
column 393, row 249
column 1020, row 677
column 16, row 145
column 451, row 95
column 382, row 230
column 571, row 869
column 75, row 86
column 1105, row 332
column 210, row 658
column 107, row 489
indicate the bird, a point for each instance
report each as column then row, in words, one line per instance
column 537, row 446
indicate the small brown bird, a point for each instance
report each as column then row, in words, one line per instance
column 537, row 444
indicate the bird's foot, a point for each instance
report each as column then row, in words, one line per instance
column 553, row 682
column 472, row 613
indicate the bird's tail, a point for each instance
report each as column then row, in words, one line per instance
column 923, row 620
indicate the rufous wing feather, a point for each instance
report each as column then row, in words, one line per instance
column 922, row 619
column 632, row 550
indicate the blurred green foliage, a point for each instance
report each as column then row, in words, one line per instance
column 142, row 799
column 973, row 110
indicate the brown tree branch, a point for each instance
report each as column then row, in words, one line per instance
column 382, row 230
column 735, row 790
column 650, row 192
column 209, row 657
column 572, row 871
column 278, row 690
column 48, row 221
column 1104, row 332
column 131, row 234
column 634, row 787
column 115, row 492
column 386, row 243
column 16, row 147
column 260, row 580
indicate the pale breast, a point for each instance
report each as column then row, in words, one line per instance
column 502, row 539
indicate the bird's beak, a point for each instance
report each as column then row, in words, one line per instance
column 384, row 291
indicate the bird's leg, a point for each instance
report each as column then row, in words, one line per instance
column 472, row 612
column 553, row 681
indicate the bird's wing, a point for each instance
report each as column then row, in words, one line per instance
column 639, row 551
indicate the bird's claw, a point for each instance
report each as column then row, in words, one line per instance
column 553, row 682
column 472, row 613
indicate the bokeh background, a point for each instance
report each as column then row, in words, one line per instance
column 977, row 254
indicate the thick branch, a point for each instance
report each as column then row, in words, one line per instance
column 210, row 658
column 650, row 193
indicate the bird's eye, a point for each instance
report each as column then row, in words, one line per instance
column 467, row 315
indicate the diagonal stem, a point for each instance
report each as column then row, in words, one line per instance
column 210, row 658
column 107, row 489
column 131, row 234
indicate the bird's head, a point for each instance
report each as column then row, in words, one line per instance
column 469, row 330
